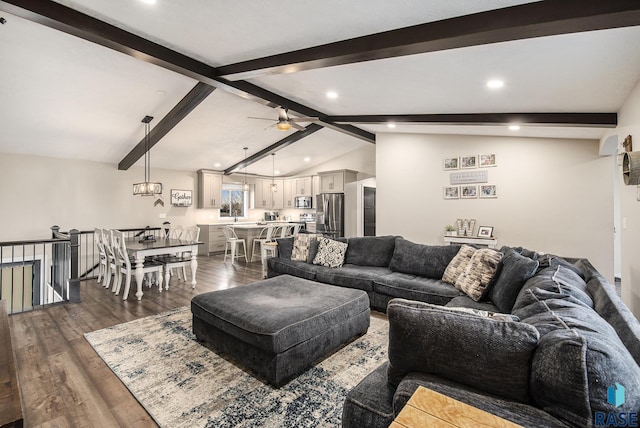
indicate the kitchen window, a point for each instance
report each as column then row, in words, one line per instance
column 234, row 201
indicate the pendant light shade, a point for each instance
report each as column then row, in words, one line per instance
column 245, row 185
column 147, row 187
column 274, row 186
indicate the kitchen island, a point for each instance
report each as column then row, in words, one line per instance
column 213, row 236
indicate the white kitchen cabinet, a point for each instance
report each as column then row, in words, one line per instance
column 334, row 181
column 303, row 186
column 265, row 198
column 315, row 187
column 209, row 189
column 289, row 192
column 213, row 237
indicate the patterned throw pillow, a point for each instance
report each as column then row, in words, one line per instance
column 479, row 273
column 301, row 245
column 330, row 253
column 458, row 264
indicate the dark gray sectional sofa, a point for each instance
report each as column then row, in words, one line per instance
column 568, row 346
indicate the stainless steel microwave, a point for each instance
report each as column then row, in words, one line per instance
column 302, row 202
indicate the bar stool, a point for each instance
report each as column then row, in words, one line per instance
column 266, row 235
column 232, row 242
column 268, row 249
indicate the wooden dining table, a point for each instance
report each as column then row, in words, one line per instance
column 140, row 249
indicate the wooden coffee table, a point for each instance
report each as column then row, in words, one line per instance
column 427, row 408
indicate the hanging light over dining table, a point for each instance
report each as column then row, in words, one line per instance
column 147, row 187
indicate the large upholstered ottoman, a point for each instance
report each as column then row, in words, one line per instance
column 280, row 326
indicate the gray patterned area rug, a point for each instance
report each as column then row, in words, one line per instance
column 183, row 384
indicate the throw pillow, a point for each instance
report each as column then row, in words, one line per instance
column 479, row 273
column 330, row 253
column 486, row 354
column 301, row 245
column 458, row 264
column 515, row 271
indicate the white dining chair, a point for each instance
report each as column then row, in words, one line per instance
column 111, row 265
column 181, row 260
column 266, row 235
column 233, row 243
column 124, row 266
column 102, row 254
column 175, row 231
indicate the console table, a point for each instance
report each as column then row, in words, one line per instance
column 489, row 242
column 427, row 408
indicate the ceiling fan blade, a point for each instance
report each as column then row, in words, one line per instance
column 270, row 126
column 261, row 118
column 298, row 127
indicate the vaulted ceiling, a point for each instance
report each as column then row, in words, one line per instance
column 77, row 77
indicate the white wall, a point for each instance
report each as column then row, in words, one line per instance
column 553, row 195
column 38, row 192
column 362, row 160
column 629, row 124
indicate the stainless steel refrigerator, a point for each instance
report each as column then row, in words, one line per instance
column 330, row 214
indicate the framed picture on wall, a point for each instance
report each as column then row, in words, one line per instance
column 486, row 160
column 450, row 163
column 488, row 191
column 468, row 192
column 181, row 198
column 451, row 192
column 468, row 161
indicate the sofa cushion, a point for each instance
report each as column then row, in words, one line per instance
column 370, row 250
column 558, row 280
column 529, row 302
column 458, row 264
column 429, row 261
column 466, row 302
column 554, row 314
column 280, row 266
column 486, row 354
column 479, row 273
column 370, row 403
column 285, row 247
column 572, row 371
column 550, row 260
column 352, row 276
column 330, row 253
column 415, row 288
column 514, row 271
column 302, row 244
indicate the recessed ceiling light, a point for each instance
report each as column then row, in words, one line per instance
column 307, row 159
column 514, row 127
column 148, row 1
column 495, row 84
column 276, row 172
column 391, row 125
column 333, row 95
column 217, row 164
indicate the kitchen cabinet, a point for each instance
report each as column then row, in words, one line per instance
column 334, row 181
column 209, row 189
column 303, row 186
column 265, row 198
column 315, row 187
column 289, row 192
column 213, row 237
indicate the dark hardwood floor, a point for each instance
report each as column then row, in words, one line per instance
column 64, row 383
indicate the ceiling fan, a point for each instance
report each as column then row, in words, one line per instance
column 285, row 122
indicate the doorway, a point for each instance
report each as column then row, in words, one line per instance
column 369, row 208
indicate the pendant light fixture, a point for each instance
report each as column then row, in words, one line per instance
column 148, row 187
column 274, row 186
column 245, row 185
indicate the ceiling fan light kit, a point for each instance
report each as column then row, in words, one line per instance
column 147, row 187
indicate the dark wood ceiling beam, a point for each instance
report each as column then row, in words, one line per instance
column 599, row 120
column 179, row 112
column 539, row 19
column 288, row 140
column 70, row 21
